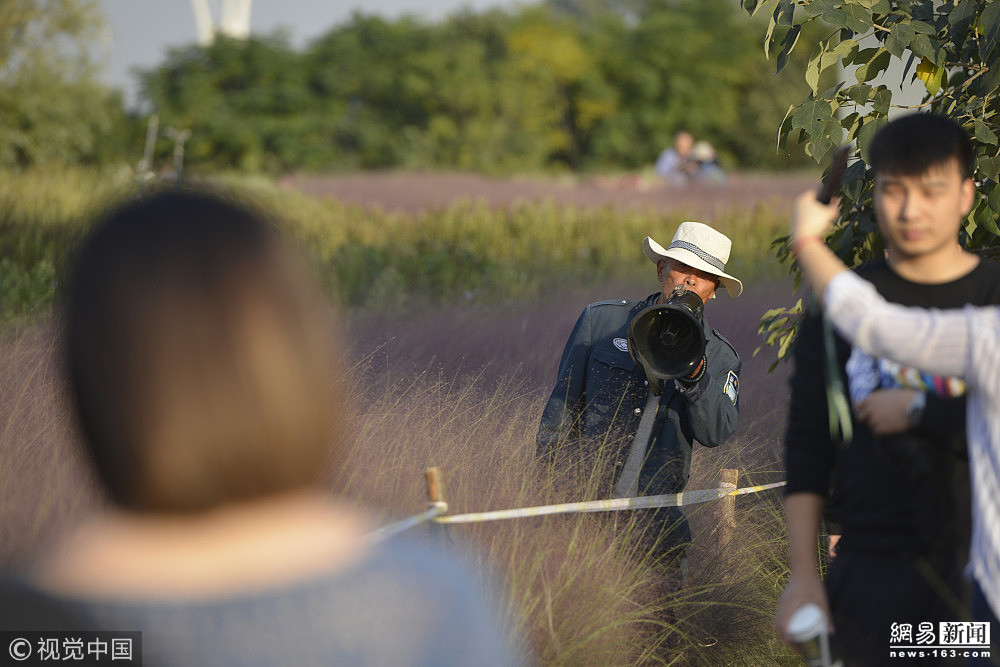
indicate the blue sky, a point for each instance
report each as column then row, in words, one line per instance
column 141, row 31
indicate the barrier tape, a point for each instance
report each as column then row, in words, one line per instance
column 684, row 499
column 392, row 529
column 615, row 504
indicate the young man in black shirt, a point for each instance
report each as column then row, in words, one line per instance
column 900, row 488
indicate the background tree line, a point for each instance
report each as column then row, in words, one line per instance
column 567, row 84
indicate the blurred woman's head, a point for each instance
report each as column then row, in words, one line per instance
column 199, row 356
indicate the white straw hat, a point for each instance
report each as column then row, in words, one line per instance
column 700, row 247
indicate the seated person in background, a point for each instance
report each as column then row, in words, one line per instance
column 707, row 161
column 689, row 161
column 677, row 165
column 962, row 342
column 201, row 367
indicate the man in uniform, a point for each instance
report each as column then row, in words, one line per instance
column 899, row 489
column 600, row 391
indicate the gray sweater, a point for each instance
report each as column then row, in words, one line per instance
column 407, row 604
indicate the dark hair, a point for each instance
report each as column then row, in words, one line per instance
column 198, row 356
column 914, row 144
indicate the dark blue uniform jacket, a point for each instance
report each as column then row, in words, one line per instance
column 600, row 393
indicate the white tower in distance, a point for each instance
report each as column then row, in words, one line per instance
column 234, row 20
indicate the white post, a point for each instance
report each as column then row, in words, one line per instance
column 203, row 19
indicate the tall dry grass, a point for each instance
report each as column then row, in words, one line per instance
column 579, row 590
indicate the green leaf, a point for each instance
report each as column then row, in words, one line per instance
column 859, row 19
column 769, row 37
column 909, row 64
column 989, row 223
column 899, row 38
column 926, row 47
column 821, row 7
column 873, row 67
column 854, row 180
column 834, row 130
column 773, row 312
column 846, row 48
column 859, row 93
column 822, row 143
column 862, row 56
column 760, row 6
column 883, row 97
column 783, row 129
column 784, row 12
column 881, row 7
column 866, row 222
column 811, row 115
column 787, row 44
column 812, row 73
column 866, row 133
column 849, row 121
column 786, row 344
column 836, row 18
column 986, row 218
column 819, row 64
column 991, row 24
column 988, row 167
column 985, row 84
column 984, row 134
column 994, row 198
column 960, row 20
column 749, row 6
column 923, row 27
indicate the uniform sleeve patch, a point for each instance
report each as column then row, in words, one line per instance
column 732, row 387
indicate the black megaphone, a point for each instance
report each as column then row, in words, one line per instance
column 668, row 340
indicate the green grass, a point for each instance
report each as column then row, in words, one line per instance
column 367, row 257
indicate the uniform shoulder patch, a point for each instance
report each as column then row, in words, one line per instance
column 611, row 302
column 732, row 387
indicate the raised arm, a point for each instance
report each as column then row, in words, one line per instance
column 933, row 340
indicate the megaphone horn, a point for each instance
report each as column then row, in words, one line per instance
column 668, row 340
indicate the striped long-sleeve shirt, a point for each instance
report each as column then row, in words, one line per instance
column 963, row 342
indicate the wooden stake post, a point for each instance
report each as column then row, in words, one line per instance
column 435, row 494
column 726, row 517
column 434, row 485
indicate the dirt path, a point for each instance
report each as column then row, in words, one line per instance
column 416, row 191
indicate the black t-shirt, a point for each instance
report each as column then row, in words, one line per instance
column 907, row 492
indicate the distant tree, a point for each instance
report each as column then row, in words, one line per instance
column 568, row 84
column 951, row 46
column 707, row 80
column 245, row 102
column 52, row 108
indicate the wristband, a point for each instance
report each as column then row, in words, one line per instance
column 806, row 240
column 689, row 381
